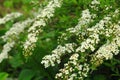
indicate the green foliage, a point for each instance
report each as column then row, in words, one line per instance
column 16, row 61
column 3, row 75
column 8, row 4
column 26, row 75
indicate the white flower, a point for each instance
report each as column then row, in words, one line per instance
column 9, row 17
column 6, row 48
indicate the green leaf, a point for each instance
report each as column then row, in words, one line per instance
column 8, row 3
column 16, row 61
column 26, row 74
column 3, row 76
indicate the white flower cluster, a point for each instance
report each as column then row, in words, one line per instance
column 11, row 36
column 73, row 70
column 51, row 60
column 93, row 39
column 16, row 29
column 84, row 21
column 90, row 42
column 38, row 23
column 102, row 27
column 6, row 48
column 108, row 50
column 78, row 66
column 9, row 17
column 86, row 18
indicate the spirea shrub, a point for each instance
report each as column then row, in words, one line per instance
column 80, row 48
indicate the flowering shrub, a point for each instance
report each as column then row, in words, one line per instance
column 72, row 42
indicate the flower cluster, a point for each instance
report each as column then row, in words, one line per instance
column 79, row 29
column 101, row 28
column 79, row 64
column 50, row 60
column 6, row 48
column 83, row 22
column 39, row 22
column 93, row 38
column 11, row 36
column 85, row 19
column 108, row 50
column 104, row 27
column 60, row 51
column 16, row 29
column 9, row 17
column 73, row 70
